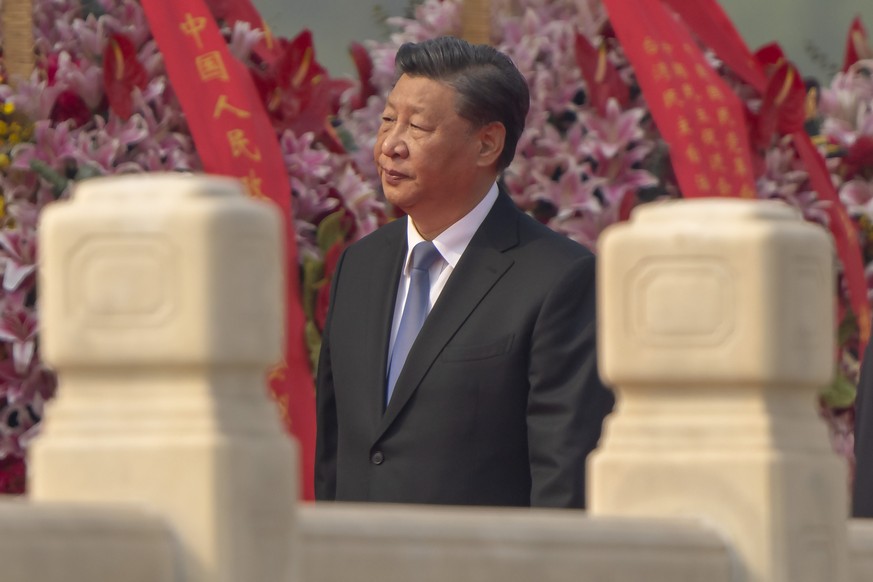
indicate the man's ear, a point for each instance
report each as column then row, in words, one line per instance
column 491, row 139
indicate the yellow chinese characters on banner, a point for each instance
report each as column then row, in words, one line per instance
column 223, row 104
column 650, row 32
column 194, row 26
column 212, row 68
column 699, row 117
column 253, row 184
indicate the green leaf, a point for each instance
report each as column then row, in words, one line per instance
column 313, row 343
column 331, row 230
column 86, row 171
column 44, row 171
column 840, row 394
column 848, row 326
column 313, row 273
column 347, row 139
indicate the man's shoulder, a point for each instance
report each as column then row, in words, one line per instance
column 391, row 232
column 544, row 241
column 507, row 222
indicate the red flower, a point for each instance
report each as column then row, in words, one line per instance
column 364, row 66
column 122, row 71
column 51, row 68
column 857, row 44
column 298, row 93
column 12, row 475
column 70, row 106
column 859, row 158
column 602, row 80
column 783, row 108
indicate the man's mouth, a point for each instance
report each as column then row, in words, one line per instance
column 393, row 176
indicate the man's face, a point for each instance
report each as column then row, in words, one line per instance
column 426, row 154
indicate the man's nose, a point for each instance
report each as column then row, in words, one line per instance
column 394, row 143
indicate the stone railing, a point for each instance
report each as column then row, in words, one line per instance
column 163, row 460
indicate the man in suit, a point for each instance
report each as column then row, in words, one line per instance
column 862, row 499
column 498, row 400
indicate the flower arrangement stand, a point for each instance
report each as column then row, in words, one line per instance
column 17, row 22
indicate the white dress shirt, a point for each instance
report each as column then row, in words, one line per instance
column 451, row 243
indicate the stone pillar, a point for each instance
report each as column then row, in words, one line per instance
column 161, row 301
column 716, row 332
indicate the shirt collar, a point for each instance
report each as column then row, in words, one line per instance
column 453, row 241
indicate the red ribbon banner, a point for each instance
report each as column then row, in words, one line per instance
column 699, row 116
column 857, row 44
column 692, row 106
column 234, row 137
column 708, row 21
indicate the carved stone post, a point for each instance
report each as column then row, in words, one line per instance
column 161, row 306
column 717, row 331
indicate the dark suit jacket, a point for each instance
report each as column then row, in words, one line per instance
column 499, row 401
column 862, row 499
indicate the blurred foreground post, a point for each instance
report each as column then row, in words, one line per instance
column 162, row 309
column 717, row 332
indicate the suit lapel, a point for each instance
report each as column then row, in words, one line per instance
column 385, row 266
column 480, row 267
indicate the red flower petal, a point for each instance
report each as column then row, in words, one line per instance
column 602, row 81
column 70, row 106
column 784, row 105
column 12, row 475
column 860, row 156
column 122, row 71
column 364, row 66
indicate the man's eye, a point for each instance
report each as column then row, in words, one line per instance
column 386, row 119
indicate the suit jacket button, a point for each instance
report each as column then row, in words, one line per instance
column 377, row 458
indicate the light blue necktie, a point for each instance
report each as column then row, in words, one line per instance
column 414, row 310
